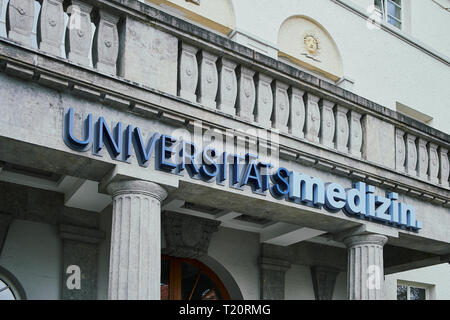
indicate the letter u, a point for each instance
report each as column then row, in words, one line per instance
column 70, row 140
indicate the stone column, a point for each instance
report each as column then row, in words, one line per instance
column 365, row 270
column 272, row 278
column 135, row 257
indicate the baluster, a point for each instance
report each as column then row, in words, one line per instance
column 208, row 79
column 342, row 129
column 51, row 27
column 355, row 133
column 106, row 43
column 411, row 154
column 400, row 151
column 21, row 18
column 328, row 124
column 312, row 118
column 3, row 6
column 297, row 118
column 264, row 100
column 433, row 169
column 422, row 165
column 227, row 86
column 188, row 72
column 281, row 109
column 79, row 32
column 247, row 94
column 444, row 169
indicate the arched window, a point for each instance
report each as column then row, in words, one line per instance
column 10, row 288
column 189, row 279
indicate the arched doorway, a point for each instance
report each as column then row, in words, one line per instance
column 189, row 279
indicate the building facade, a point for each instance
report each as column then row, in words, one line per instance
column 174, row 149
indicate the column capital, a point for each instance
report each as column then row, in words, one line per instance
column 147, row 188
column 366, row 229
column 365, row 239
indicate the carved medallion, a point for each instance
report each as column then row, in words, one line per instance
column 311, row 46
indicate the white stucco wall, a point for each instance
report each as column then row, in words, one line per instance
column 436, row 277
column 298, row 283
column 238, row 252
column 32, row 253
column 385, row 68
column 299, row 286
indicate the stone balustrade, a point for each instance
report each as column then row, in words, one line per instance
column 418, row 157
column 222, row 84
column 68, row 29
column 236, row 84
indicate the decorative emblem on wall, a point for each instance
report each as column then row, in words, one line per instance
column 311, row 46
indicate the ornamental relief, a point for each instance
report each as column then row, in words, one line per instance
column 311, row 46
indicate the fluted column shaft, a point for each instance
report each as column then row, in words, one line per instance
column 365, row 271
column 135, row 256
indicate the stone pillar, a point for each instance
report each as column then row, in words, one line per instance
column 272, row 278
column 135, row 256
column 324, row 279
column 365, row 270
column 80, row 255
